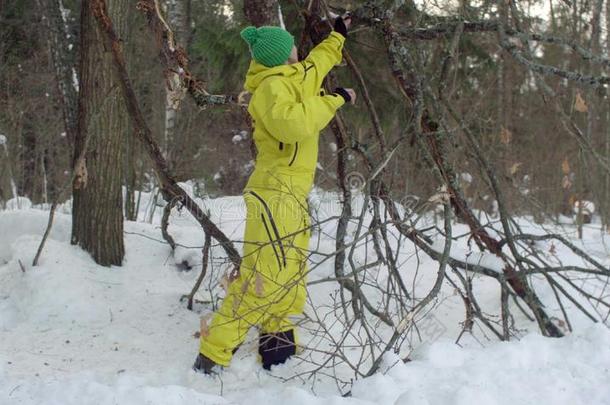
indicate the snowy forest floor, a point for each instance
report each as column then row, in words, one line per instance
column 72, row 332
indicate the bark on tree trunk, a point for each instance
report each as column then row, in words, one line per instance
column 172, row 191
column 130, row 161
column 596, row 101
column 63, row 62
column 27, row 156
column 7, row 168
column 63, row 58
column 178, row 19
column 261, row 12
column 131, row 172
column 605, row 209
column 97, row 215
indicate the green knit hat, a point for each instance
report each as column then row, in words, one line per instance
column 270, row 46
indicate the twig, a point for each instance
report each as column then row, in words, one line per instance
column 204, row 269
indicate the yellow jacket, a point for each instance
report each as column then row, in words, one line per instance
column 289, row 109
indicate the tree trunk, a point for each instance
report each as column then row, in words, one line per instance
column 132, row 151
column 177, row 15
column 596, row 101
column 97, row 215
column 605, row 208
column 25, row 186
column 5, row 165
column 131, row 173
column 62, row 54
column 261, row 12
column 63, row 62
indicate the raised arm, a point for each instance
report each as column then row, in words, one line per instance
column 288, row 120
column 325, row 56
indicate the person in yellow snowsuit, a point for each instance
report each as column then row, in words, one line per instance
column 288, row 110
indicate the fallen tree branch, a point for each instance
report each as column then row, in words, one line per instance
column 433, row 144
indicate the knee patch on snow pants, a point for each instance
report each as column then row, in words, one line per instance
column 271, row 284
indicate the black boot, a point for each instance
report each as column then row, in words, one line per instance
column 276, row 348
column 203, row 364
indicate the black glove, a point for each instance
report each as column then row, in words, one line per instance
column 340, row 26
column 340, row 91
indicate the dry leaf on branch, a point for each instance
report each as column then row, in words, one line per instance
column 565, row 166
column 204, row 329
column 224, row 282
column 244, row 286
column 244, row 98
column 505, row 136
column 579, row 104
column 572, row 200
column 259, row 286
column 514, row 168
column 176, row 91
column 441, row 197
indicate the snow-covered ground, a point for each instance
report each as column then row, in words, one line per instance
column 72, row 332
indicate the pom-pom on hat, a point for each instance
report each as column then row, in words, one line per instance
column 270, row 46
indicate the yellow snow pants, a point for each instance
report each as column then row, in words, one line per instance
column 271, row 284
